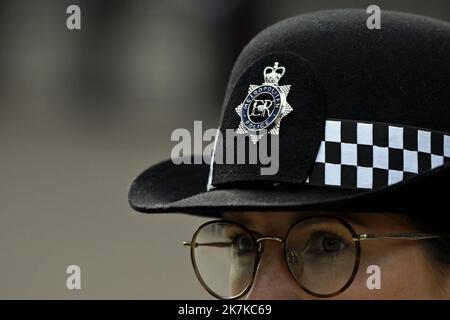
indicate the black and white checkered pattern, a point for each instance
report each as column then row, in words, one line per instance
column 362, row 155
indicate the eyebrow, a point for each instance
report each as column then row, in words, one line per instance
column 355, row 218
column 238, row 216
column 352, row 218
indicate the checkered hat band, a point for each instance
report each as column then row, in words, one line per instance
column 363, row 155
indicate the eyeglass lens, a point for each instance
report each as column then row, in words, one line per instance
column 320, row 254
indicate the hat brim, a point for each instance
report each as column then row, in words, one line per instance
column 167, row 187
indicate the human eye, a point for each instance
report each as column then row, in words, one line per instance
column 243, row 244
column 326, row 244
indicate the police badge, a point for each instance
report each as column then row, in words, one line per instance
column 265, row 105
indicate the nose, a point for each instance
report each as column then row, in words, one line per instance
column 273, row 280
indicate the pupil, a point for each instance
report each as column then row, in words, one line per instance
column 245, row 244
column 331, row 244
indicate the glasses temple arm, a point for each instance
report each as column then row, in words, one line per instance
column 398, row 236
column 208, row 244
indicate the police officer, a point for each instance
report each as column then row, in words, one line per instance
column 358, row 206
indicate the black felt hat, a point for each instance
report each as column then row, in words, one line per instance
column 362, row 119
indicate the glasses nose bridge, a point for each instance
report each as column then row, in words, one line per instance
column 269, row 238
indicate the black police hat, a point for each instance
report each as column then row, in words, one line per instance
column 362, row 117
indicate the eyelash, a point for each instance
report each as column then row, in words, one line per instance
column 314, row 237
column 328, row 255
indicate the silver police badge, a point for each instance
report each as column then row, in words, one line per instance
column 264, row 106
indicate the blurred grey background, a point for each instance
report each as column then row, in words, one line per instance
column 83, row 112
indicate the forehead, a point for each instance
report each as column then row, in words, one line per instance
column 273, row 220
column 261, row 218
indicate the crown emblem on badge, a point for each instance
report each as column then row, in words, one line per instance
column 265, row 105
column 273, row 74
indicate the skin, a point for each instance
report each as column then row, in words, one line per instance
column 407, row 270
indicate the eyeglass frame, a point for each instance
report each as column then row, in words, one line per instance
column 357, row 238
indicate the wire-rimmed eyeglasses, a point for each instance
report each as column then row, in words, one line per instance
column 322, row 254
